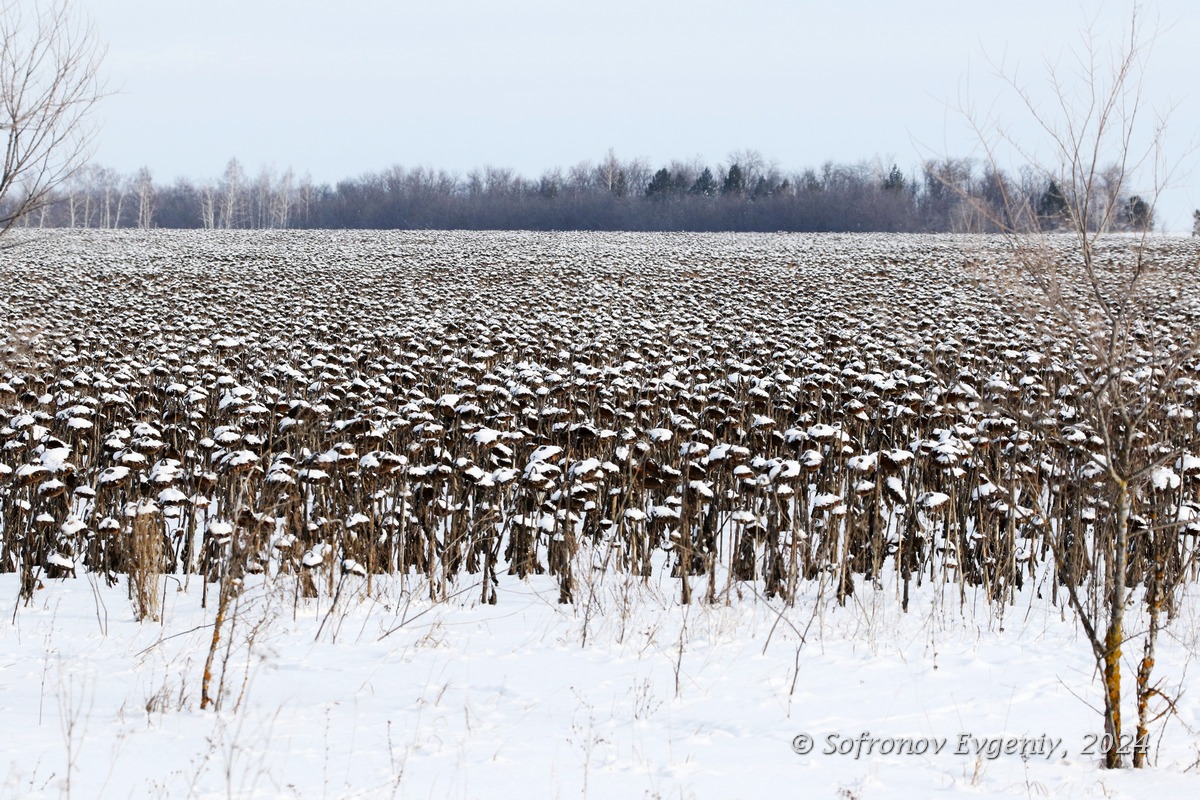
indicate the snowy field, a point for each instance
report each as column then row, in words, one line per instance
column 636, row 697
column 572, row 515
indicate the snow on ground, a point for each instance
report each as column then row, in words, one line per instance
column 629, row 696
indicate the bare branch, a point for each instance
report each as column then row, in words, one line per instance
column 49, row 86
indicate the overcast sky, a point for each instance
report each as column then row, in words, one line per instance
column 340, row 87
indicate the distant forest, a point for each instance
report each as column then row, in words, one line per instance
column 747, row 193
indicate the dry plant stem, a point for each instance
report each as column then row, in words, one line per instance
column 224, row 597
column 145, row 565
column 73, row 721
column 677, row 665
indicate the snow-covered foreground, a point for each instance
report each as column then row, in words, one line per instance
column 628, row 696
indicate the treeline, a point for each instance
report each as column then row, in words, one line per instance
column 746, row 194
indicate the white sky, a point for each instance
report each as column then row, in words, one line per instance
column 341, row 87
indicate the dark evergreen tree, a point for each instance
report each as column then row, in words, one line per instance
column 735, row 182
column 1052, row 207
column 705, row 185
column 1137, row 214
column 894, row 182
column 661, row 185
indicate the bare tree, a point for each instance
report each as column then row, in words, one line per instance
column 306, row 198
column 1098, row 136
column 281, row 204
column 611, row 175
column 231, row 192
column 49, row 85
column 208, row 207
column 143, row 184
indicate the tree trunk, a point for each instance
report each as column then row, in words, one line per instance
column 1146, row 667
column 1114, row 636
